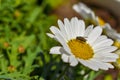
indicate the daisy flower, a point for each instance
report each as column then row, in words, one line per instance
column 80, row 45
column 89, row 14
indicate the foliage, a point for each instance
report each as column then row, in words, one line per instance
column 24, row 48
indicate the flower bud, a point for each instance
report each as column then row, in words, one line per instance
column 11, row 68
column 21, row 49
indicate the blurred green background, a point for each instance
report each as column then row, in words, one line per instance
column 24, row 46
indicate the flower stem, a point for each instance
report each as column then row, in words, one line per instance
column 61, row 75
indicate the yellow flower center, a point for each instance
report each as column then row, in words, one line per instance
column 80, row 49
column 116, row 43
column 101, row 21
column 118, row 60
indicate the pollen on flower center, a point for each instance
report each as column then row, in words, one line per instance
column 80, row 49
column 101, row 21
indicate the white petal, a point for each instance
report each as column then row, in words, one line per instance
column 109, row 55
column 105, row 49
column 62, row 41
column 99, row 39
column 73, row 61
column 81, row 28
column 109, row 65
column 76, row 7
column 106, row 57
column 88, row 30
column 84, row 11
column 111, row 32
column 55, row 50
column 107, row 42
column 65, row 57
column 50, row 35
column 55, row 30
column 75, row 27
column 95, row 33
column 62, row 28
column 67, row 28
column 101, row 65
column 89, row 64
